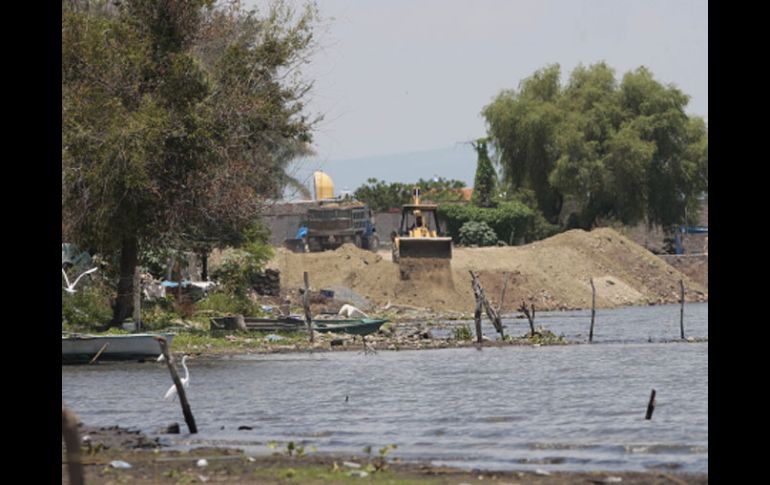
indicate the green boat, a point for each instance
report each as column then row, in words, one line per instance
column 361, row 326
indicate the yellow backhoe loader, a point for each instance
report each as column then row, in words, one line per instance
column 419, row 234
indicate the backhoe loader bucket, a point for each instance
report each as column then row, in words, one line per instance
column 421, row 247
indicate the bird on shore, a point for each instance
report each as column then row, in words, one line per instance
column 70, row 288
column 171, row 393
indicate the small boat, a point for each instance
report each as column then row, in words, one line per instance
column 361, row 326
column 262, row 324
column 82, row 348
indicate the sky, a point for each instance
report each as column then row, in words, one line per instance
column 412, row 76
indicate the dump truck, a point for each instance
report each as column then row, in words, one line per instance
column 419, row 236
column 331, row 225
column 334, row 222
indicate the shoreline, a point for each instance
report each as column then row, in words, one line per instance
column 151, row 463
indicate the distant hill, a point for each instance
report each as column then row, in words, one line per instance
column 456, row 162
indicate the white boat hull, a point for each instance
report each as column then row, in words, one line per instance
column 83, row 347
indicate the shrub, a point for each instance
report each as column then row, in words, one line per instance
column 90, row 307
column 477, row 233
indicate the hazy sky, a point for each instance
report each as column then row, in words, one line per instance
column 401, row 76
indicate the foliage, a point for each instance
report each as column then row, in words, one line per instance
column 89, row 308
column 228, row 303
column 178, row 120
column 243, row 267
column 624, row 151
column 474, row 233
column 512, row 221
column 382, row 196
column 485, row 180
column 462, row 332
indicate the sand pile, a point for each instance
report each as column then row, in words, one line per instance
column 552, row 274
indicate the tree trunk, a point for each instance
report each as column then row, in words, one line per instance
column 204, row 265
column 124, row 304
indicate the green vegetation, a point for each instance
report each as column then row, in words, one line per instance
column 622, row 151
column 478, row 234
column 178, row 122
column 512, row 221
column 86, row 308
column 462, row 333
column 382, row 196
column 486, row 179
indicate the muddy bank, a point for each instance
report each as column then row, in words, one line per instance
column 115, row 455
column 553, row 274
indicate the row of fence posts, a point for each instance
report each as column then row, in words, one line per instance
column 494, row 313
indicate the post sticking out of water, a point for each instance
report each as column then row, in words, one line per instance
column 188, row 416
column 477, row 319
column 530, row 317
column 481, row 297
column 650, row 406
column 306, row 304
column 681, row 309
column 593, row 311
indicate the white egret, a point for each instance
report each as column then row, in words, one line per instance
column 171, row 393
column 70, row 288
column 351, row 311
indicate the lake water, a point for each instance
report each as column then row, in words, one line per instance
column 575, row 407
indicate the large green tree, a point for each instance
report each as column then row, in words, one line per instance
column 620, row 150
column 523, row 126
column 178, row 120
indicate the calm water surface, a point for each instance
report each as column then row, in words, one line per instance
column 576, row 407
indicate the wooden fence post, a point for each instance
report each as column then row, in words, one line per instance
column 477, row 318
column 650, row 406
column 188, row 416
column 681, row 309
column 593, row 311
column 491, row 312
column 530, row 316
column 306, row 304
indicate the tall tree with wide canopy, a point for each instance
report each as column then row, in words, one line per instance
column 625, row 151
column 522, row 126
column 178, row 120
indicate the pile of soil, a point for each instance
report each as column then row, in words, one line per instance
column 552, row 274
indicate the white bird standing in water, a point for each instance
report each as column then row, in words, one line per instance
column 70, row 288
column 171, row 393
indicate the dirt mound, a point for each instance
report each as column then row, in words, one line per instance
column 552, row 274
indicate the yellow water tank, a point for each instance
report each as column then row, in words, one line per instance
column 324, row 187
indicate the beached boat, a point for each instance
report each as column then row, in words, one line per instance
column 361, row 326
column 262, row 324
column 80, row 348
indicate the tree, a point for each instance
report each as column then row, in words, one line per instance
column 486, row 178
column 177, row 120
column 625, row 151
column 382, row 196
column 522, row 126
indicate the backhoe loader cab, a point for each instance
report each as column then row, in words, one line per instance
column 419, row 232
